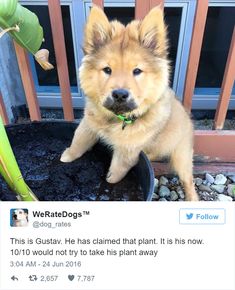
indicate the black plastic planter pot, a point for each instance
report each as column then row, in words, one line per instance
column 38, row 146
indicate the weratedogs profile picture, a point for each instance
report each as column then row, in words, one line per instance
column 19, row 217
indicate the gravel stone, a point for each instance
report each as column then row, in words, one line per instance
column 231, row 189
column 174, row 195
column 209, row 178
column 162, row 199
column 164, row 191
column 174, row 181
column 218, row 188
column 220, row 179
column 223, row 197
column 198, row 181
column 208, row 196
column 156, row 184
column 163, row 180
column 180, row 192
column 155, row 196
column 232, row 178
column 206, row 188
column 205, row 182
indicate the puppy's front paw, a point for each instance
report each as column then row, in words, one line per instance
column 67, row 156
column 194, row 197
column 112, row 178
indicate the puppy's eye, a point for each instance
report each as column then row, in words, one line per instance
column 137, row 71
column 107, row 70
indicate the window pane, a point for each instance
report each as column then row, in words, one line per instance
column 50, row 78
column 215, row 47
column 172, row 18
column 123, row 14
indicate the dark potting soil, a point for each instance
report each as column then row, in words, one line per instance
column 38, row 147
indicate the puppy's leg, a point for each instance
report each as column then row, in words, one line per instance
column 121, row 163
column 83, row 140
column 182, row 163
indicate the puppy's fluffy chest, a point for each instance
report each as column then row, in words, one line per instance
column 110, row 128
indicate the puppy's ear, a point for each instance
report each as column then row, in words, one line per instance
column 153, row 32
column 97, row 31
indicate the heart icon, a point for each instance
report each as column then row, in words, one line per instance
column 70, row 277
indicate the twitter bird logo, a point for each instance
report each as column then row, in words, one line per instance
column 189, row 216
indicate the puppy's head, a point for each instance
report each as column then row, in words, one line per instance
column 19, row 215
column 124, row 69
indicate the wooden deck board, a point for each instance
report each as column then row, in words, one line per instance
column 161, row 168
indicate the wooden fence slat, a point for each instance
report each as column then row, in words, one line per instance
column 28, row 83
column 227, row 86
column 3, row 112
column 99, row 3
column 195, row 51
column 61, row 58
column 141, row 8
column 153, row 3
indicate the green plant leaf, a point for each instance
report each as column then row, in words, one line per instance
column 30, row 35
column 9, row 168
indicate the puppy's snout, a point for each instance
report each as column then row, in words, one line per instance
column 120, row 101
column 15, row 216
column 120, row 95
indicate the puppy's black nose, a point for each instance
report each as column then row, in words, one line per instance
column 120, row 95
column 15, row 216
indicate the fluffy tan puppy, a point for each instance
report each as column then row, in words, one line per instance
column 129, row 104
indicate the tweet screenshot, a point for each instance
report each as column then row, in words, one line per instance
column 67, row 245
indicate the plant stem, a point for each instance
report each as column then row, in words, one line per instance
column 9, row 169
